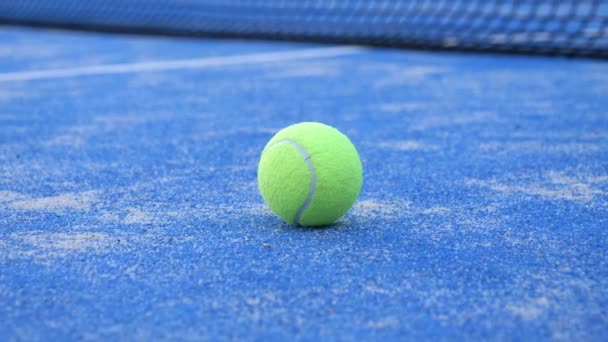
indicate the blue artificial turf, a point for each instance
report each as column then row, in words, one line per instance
column 129, row 207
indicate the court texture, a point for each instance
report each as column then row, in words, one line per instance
column 130, row 133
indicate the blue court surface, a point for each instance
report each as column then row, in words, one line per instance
column 129, row 207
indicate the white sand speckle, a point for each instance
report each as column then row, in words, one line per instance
column 406, row 145
column 379, row 290
column 402, row 107
column 530, row 310
column 41, row 245
column 407, row 76
column 534, row 146
column 8, row 196
column 73, row 140
column 373, row 209
column 554, row 186
column 384, row 323
column 137, row 216
column 436, row 211
column 76, row 201
column 108, row 216
column 393, row 208
column 258, row 209
column 455, row 120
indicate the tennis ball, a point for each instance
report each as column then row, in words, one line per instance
column 310, row 174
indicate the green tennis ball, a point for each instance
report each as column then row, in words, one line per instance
column 310, row 174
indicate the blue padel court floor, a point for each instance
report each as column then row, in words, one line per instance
column 129, row 206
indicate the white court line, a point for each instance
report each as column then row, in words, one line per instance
column 198, row 63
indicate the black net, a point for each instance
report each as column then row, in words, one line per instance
column 528, row 26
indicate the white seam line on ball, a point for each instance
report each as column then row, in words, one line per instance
column 313, row 176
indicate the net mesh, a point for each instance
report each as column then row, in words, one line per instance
column 566, row 27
